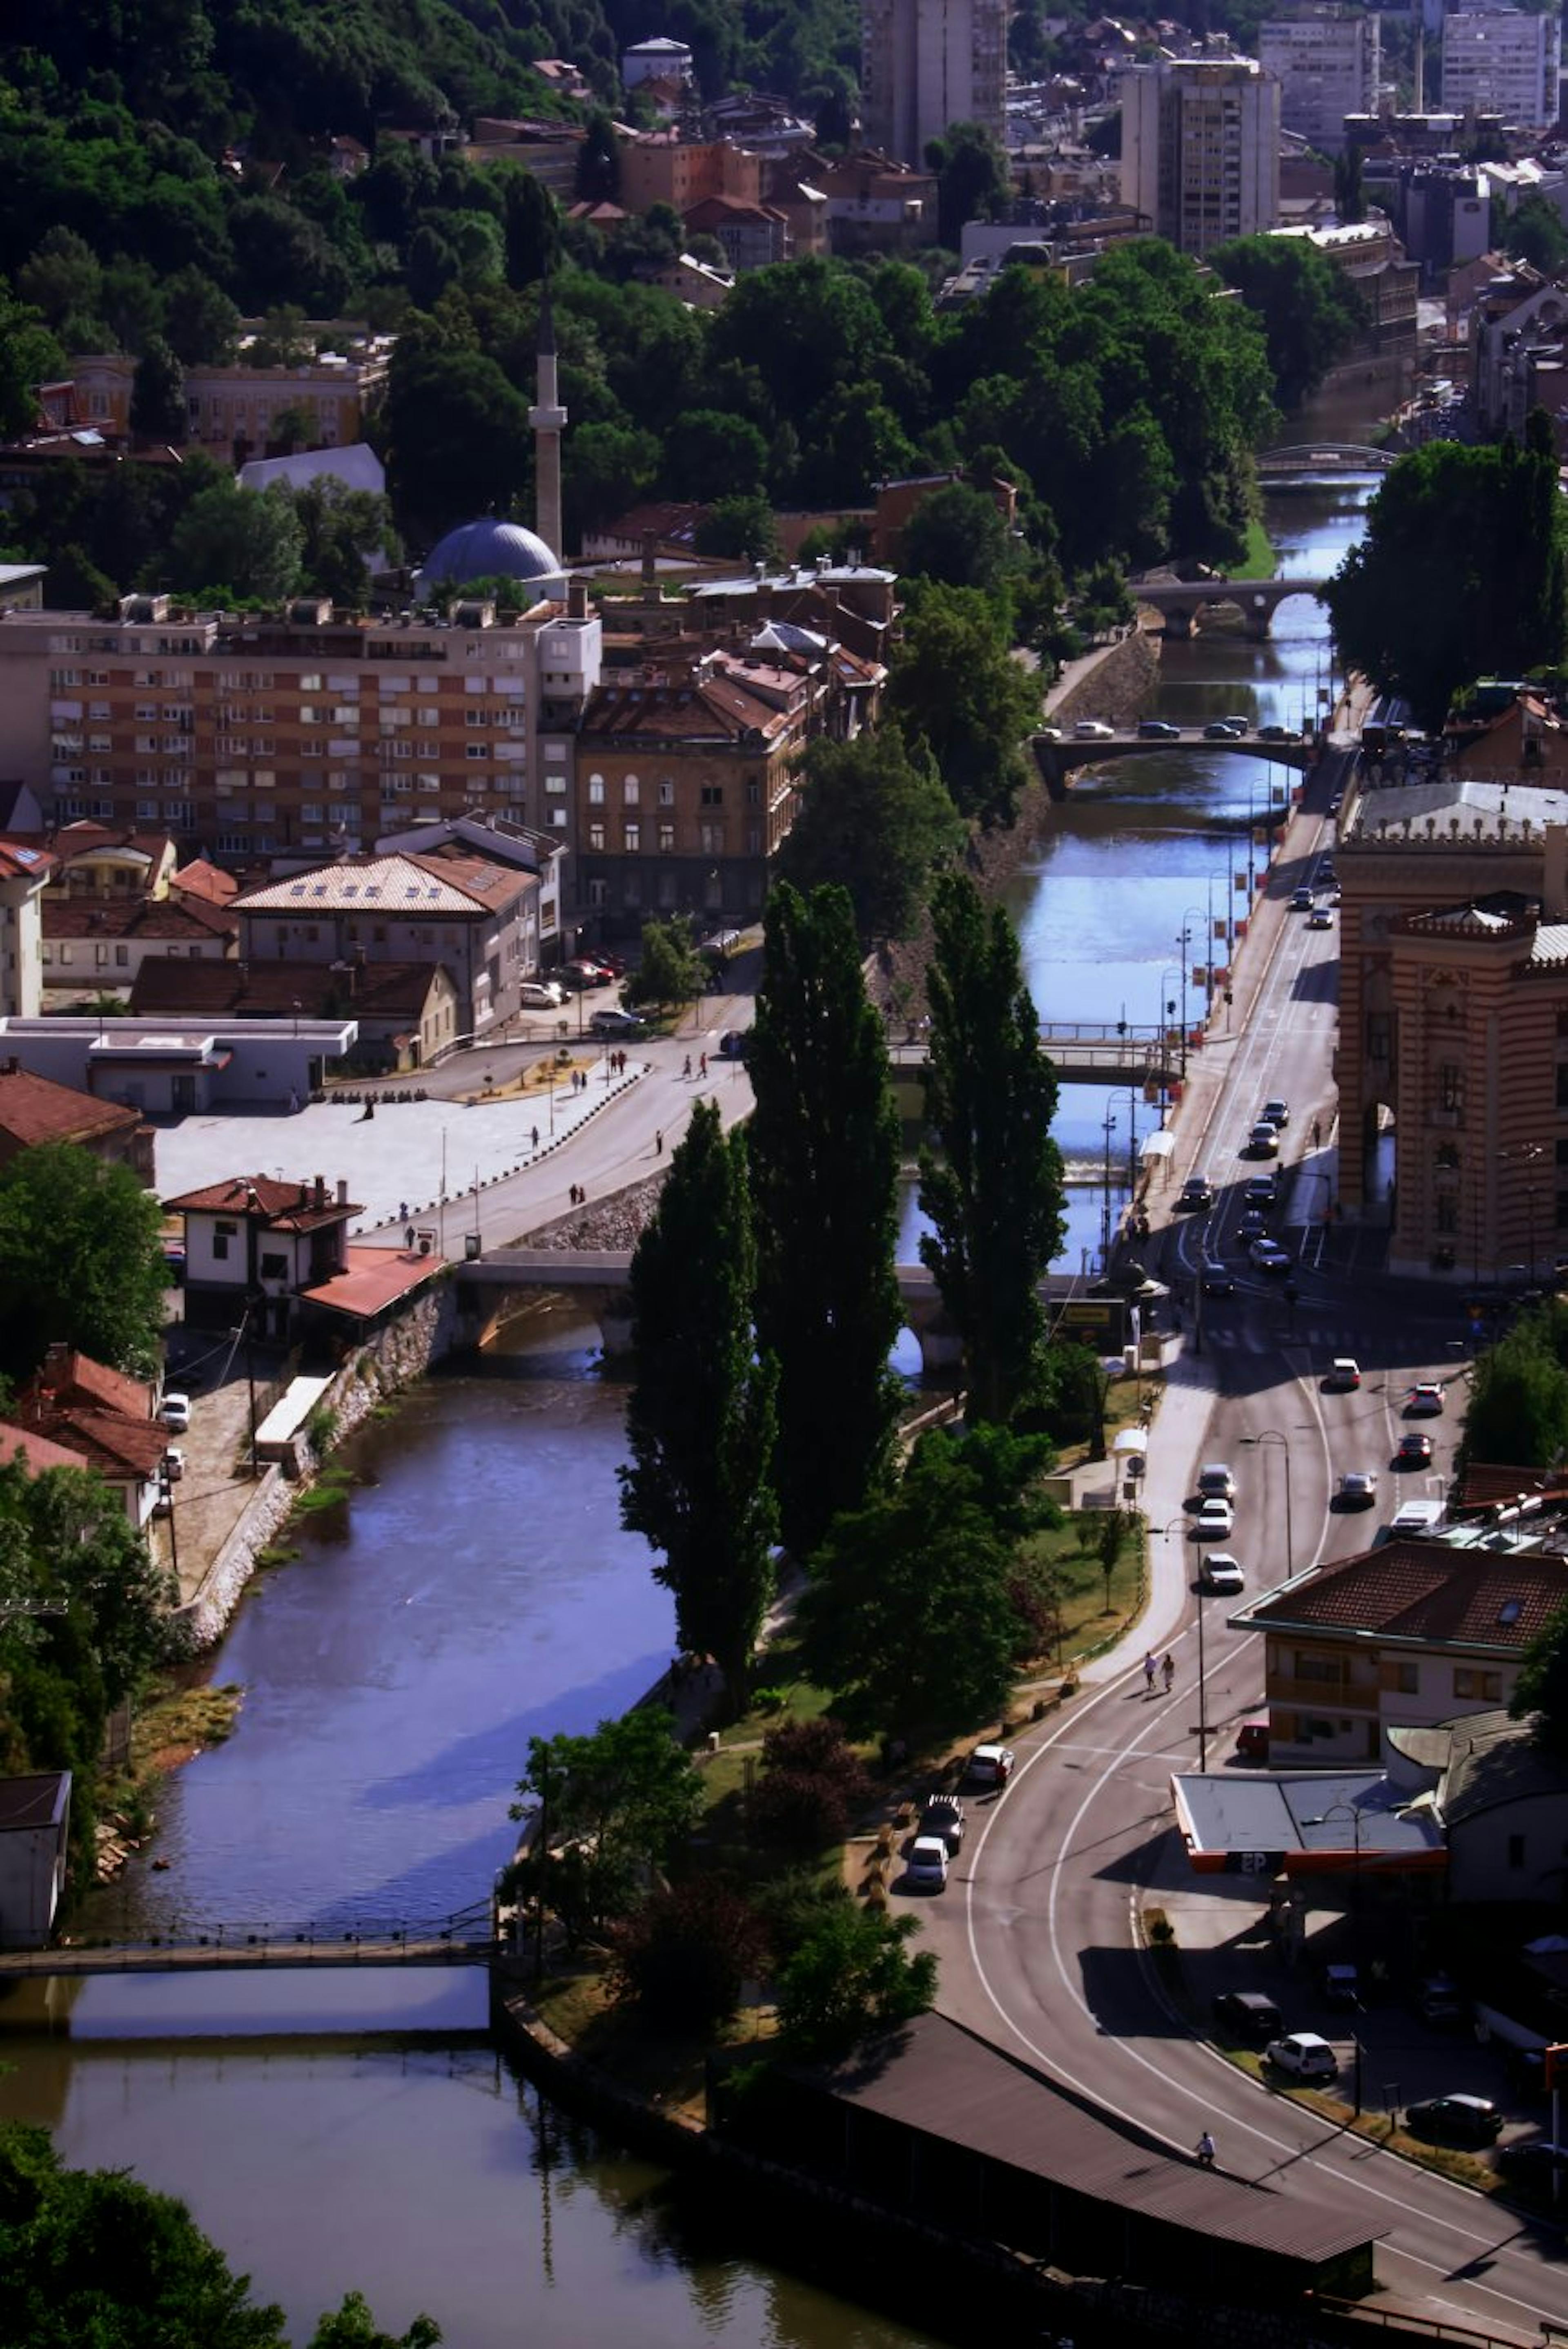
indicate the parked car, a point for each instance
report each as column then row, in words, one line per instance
column 926, row 1867
column 1277, row 1112
column 943, row 1816
column 175, row 1412
column 1320, row 919
column 1219, row 1280
column 1301, row 899
column 1413, row 1451
column 734, row 1044
column 1197, row 1191
column 1252, row 1739
column 581, row 975
column 621, row 1025
column 1263, row 1142
column 1247, row 2014
column 1224, row 729
column 1267, row 1256
column 990, row 1766
column 540, row 995
column 1424, row 1401
column 1469, row 2120
column 1306, row 2055
column 1343, row 1374
column 1358, row 1488
column 1223, row 1572
column 1216, row 1477
column 1158, row 729
column 173, row 1466
column 1438, row 2000
column 1213, row 1520
column 1341, row 1986
column 1093, row 730
column 1532, row 2161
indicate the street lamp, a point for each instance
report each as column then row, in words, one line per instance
column 1321, row 1819
column 1276, row 1435
column 1202, row 1666
column 1107, row 1127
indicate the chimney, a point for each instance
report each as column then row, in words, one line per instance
column 577, row 599
column 342, row 1190
column 320, row 1192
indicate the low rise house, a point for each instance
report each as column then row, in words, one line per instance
column 406, row 1013
column 91, row 948
column 259, row 1243
column 1502, row 1798
column 36, row 1110
column 99, row 1416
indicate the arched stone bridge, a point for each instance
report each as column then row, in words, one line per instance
column 1057, row 756
column 1178, row 601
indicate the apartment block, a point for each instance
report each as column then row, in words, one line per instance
column 1503, row 61
column 926, row 63
column 299, row 735
column 1327, row 62
column 1200, row 150
column 234, row 411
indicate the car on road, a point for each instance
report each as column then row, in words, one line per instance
column 1267, row 1256
column 1301, row 899
column 1219, row 1280
column 1223, row 1572
column 1224, row 729
column 734, row 1044
column 1532, row 2161
column 1263, row 1142
column 620, row 1025
column 1358, row 1488
column 1320, row 919
column 1341, row 1986
column 581, row 975
column 1439, row 2000
column 1306, row 2055
column 1216, row 1480
column 1254, row 1224
column 1326, row 872
column 1158, row 729
column 1277, row 1112
column 1424, row 1400
column 539, row 995
column 175, row 1410
column 1262, row 1190
column 1466, row 2119
column 1413, row 1451
column 1247, row 2014
column 1344, row 1375
column 1197, row 1191
column 943, row 1816
column 1277, row 733
column 1093, row 730
column 1252, row 1739
column 990, row 1766
column 925, row 1869
column 1214, row 1520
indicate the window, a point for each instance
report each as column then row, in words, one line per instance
column 633, row 838
column 1325, row 1669
column 595, row 790
column 1473, row 1683
column 1451, row 1085
column 666, row 839
column 711, row 836
column 753, row 793
column 1446, row 1157
column 1404, row 1678
column 1448, row 1217
column 595, row 835
column 476, row 717
column 274, row 1265
column 1377, row 1035
column 666, row 793
column 477, row 750
column 428, row 714
column 221, row 1235
column 630, row 791
column 555, row 786
column 713, row 794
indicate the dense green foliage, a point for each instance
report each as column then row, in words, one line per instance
column 700, row 1416
column 824, row 1145
column 92, row 2256
column 876, row 818
column 851, row 1976
column 684, row 1958
column 611, row 1807
column 1311, row 312
column 1517, row 1415
column 669, row 968
column 1533, row 232
column 1460, row 573
column 810, row 1784
column 81, row 1261
column 992, row 1181
column 954, row 684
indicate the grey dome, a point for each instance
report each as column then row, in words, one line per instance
column 490, row 550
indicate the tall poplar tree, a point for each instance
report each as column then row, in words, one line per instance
column 824, row 1145
column 993, row 1188
column 700, row 1420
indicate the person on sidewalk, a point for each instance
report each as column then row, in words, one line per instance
column 1150, row 1669
column 1205, row 2151
column 1169, row 1669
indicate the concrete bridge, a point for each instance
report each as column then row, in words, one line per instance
column 1327, row 457
column 1180, row 602
column 1057, row 757
column 1086, row 1053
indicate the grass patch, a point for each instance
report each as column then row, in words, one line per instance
column 669, row 2070
column 1089, row 1613
column 1260, row 559
column 330, row 1491
column 276, row 1554
column 179, row 1720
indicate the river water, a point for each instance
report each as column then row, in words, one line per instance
column 479, row 1589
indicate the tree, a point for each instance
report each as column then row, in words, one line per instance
column 29, row 355
column 345, row 532
column 685, row 1957
column 670, row 969
column 956, row 687
column 248, row 540
column 851, row 1976
column 957, row 536
column 598, row 176
column 1541, row 1688
column 81, row 1261
column 810, row 1784
column 64, row 281
column 995, row 1193
column 608, row 1808
column 1517, row 1410
column 875, row 817
column 158, row 410
column 1533, row 232
column 738, row 529
column 293, row 427
column 199, row 322
column 715, row 456
column 1460, row 573
column 700, row 1416
column 824, row 1148
column 973, row 182
column 908, row 1617
column 1309, row 310
column 459, row 437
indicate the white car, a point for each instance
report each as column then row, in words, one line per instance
column 1223, row 1572
column 1424, row 1401
column 1094, row 730
column 926, row 1867
column 539, row 995
column 175, row 1412
column 173, row 1465
column 1358, row 1488
column 1306, row 2054
column 1215, row 1519
column 990, row 1766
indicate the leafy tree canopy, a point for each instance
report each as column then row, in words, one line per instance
column 611, row 1807
column 876, row 818
column 81, row 1261
column 1517, row 1410
column 1310, row 311
column 958, row 693
column 851, row 1976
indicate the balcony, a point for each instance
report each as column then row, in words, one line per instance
column 1322, row 1696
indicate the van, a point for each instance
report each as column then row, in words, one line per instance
column 1417, row 1518
column 1215, row 1482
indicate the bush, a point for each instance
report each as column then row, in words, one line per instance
column 792, row 1905
column 810, row 1783
column 685, row 1957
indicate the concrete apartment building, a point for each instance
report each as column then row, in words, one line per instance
column 25, row 870
column 665, row 167
column 1503, row 61
column 925, row 64
column 1200, row 150
column 1327, row 62
column 300, row 734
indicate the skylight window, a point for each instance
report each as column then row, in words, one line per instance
column 1511, row 1610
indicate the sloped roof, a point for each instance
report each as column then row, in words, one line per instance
column 202, row 878
column 112, row 1443
column 175, row 985
column 426, row 888
column 36, row 1110
column 279, row 1206
column 136, row 918
column 1494, row 1760
column 1426, row 1593
column 713, row 709
column 39, row 1452
column 69, row 1376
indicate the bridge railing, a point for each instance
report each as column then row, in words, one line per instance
column 353, row 1940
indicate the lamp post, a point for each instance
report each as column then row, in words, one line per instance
column 1202, row 1662
column 1107, row 1127
column 1277, row 1435
column 1321, row 1819
column 1184, row 939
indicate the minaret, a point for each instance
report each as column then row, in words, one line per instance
column 548, row 419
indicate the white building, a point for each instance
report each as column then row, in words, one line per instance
column 25, row 870
column 926, row 63
column 1200, row 149
column 1327, row 61
column 1503, row 61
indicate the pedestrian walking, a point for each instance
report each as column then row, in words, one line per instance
column 686, row 1071
column 702, row 1065
column 1169, row 1669
column 1150, row 1669
column 658, row 1143
column 535, row 1143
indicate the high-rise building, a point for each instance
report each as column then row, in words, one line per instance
column 1503, row 61
column 1327, row 61
column 1200, row 150
column 929, row 63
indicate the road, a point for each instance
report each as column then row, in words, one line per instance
column 1037, row 1933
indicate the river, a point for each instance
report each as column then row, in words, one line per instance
column 479, row 1589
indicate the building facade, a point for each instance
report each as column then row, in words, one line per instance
column 927, row 63
column 1200, row 150
column 1504, row 61
column 1327, row 62
column 25, row 870
column 234, row 411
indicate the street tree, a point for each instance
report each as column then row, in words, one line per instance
column 700, row 1416
column 991, row 1183
column 973, row 182
column 81, row 1261
column 157, row 410
column 908, row 1616
column 824, row 1149
column 876, row 818
column 1517, row 1410
column 248, row 540
column 851, row 1976
column 1541, row 1688
column 956, row 687
column 606, row 1809
column 671, row 970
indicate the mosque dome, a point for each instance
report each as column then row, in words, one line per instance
column 490, row 549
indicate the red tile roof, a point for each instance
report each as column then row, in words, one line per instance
column 281, row 1207
column 109, row 1442
column 39, row 1452
column 372, row 1279
column 713, row 709
column 1426, row 1591
column 36, row 1110
column 71, row 1377
column 201, row 878
column 192, row 922
column 170, row 984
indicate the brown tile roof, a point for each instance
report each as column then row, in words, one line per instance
column 70, row 1377
column 172, row 984
column 715, row 709
column 201, row 878
column 281, row 1207
column 20, row 860
column 137, row 918
column 109, row 1442
column 1426, row 1591
column 34, row 1109
column 39, row 1452
column 372, row 1279
column 1487, row 1485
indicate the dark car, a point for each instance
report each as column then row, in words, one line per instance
column 1219, row 1280
column 1248, row 2015
column 1261, row 1191
column 1532, row 2161
column 734, row 1044
column 1467, row 2120
column 943, row 1817
column 1158, row 729
column 1253, row 1225
column 1414, row 1450
column 1197, row 1191
column 581, row 975
column 1279, row 733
